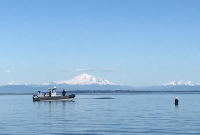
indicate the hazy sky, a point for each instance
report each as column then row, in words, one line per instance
column 129, row 42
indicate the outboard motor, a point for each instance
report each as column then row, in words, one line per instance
column 35, row 96
column 72, row 96
column 176, row 101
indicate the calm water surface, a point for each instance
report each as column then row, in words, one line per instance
column 149, row 113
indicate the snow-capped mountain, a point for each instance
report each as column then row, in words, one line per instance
column 85, row 79
column 180, row 83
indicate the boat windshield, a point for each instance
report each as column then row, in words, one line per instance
column 53, row 91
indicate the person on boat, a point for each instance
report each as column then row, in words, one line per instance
column 50, row 94
column 63, row 92
column 45, row 94
column 176, row 101
column 40, row 94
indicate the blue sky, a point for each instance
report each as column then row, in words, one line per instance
column 132, row 42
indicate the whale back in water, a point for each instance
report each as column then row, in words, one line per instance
column 104, row 98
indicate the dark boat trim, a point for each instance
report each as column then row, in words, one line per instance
column 56, row 98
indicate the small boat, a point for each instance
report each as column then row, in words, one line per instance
column 52, row 96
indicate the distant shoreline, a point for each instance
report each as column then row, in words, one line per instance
column 109, row 92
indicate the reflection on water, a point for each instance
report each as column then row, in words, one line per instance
column 124, row 114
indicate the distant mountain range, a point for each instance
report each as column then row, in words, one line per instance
column 181, row 83
column 87, row 82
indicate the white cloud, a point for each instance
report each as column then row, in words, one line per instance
column 8, row 71
column 85, row 70
column 92, row 70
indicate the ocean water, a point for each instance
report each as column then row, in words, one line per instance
column 133, row 113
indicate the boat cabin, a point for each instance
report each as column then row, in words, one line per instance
column 52, row 92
